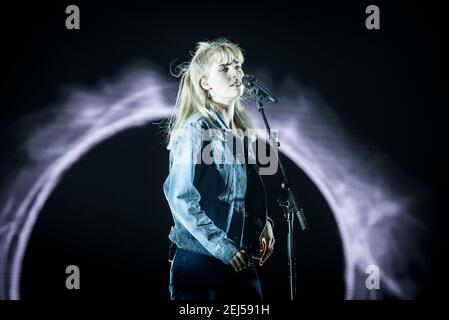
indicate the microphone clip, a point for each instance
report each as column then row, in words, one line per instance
column 261, row 93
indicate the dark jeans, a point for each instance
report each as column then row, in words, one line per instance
column 194, row 276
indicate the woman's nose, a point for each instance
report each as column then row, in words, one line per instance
column 238, row 73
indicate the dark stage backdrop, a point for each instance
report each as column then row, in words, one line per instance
column 108, row 214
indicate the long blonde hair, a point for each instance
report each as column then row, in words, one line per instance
column 192, row 98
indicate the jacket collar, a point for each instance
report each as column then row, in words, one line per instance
column 219, row 119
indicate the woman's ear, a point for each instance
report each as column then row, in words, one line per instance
column 204, row 84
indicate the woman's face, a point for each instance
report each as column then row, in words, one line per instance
column 224, row 81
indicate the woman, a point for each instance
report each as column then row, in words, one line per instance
column 218, row 230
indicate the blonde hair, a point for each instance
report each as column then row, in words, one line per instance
column 192, row 98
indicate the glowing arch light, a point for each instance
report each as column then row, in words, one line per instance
column 374, row 205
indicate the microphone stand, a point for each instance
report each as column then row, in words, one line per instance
column 289, row 206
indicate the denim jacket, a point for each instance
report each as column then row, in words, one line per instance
column 204, row 196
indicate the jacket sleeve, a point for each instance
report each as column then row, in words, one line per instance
column 184, row 198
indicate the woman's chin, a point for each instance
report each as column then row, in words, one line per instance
column 239, row 93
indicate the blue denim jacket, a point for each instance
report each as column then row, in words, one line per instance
column 204, row 196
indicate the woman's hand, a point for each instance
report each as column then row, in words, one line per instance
column 240, row 260
column 266, row 242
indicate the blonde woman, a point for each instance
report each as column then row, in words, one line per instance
column 217, row 201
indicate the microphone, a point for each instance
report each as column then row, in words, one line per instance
column 251, row 82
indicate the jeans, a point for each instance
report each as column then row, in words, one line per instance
column 195, row 276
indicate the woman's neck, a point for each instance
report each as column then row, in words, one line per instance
column 227, row 113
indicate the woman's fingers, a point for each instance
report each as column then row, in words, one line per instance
column 240, row 260
column 243, row 258
column 268, row 250
column 263, row 251
column 272, row 241
column 233, row 264
column 263, row 246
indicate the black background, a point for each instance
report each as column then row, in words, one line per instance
column 108, row 215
